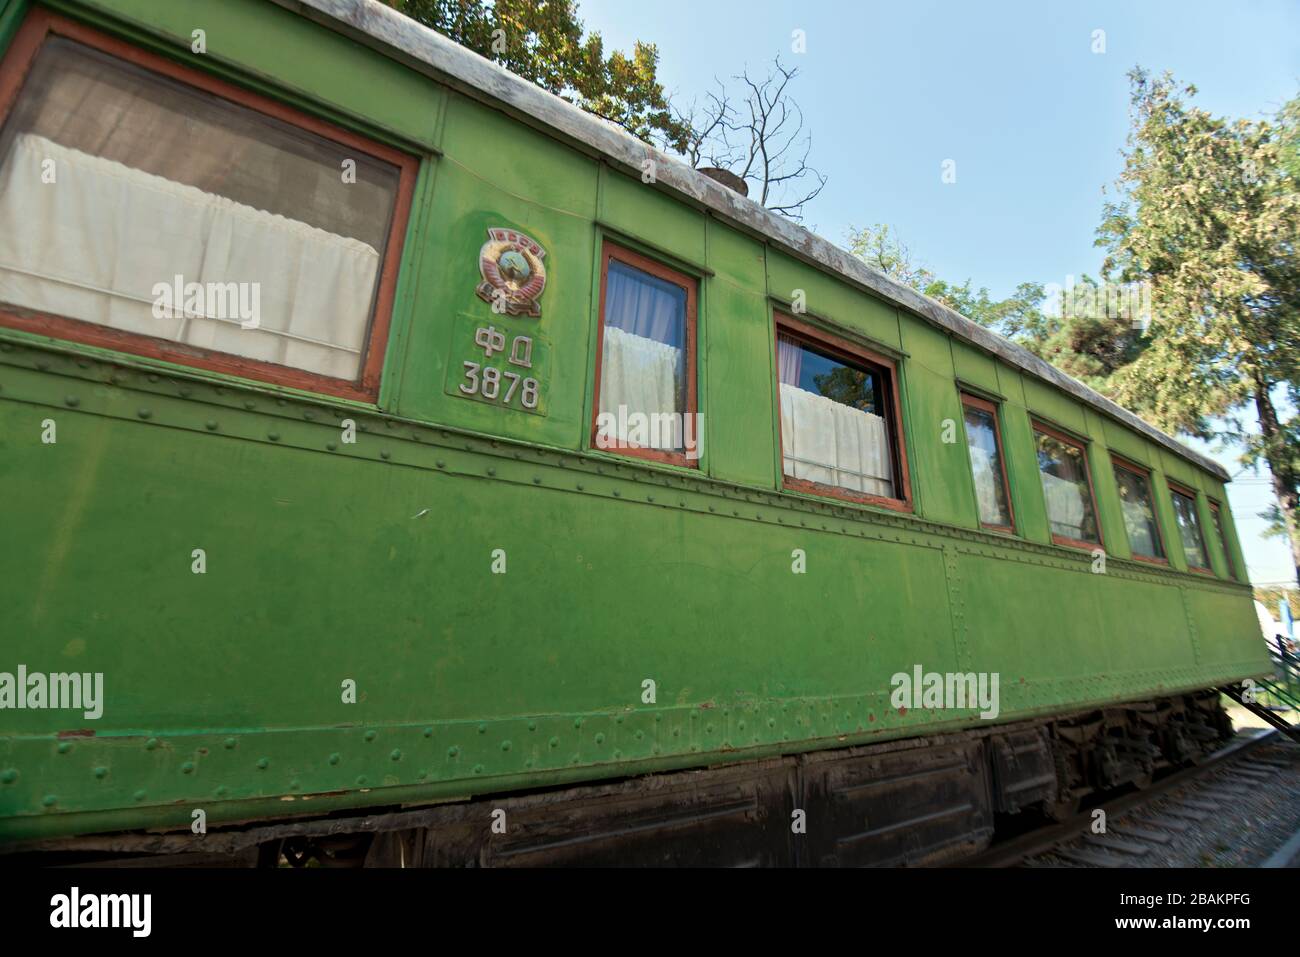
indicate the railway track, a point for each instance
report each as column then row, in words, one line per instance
column 1134, row 827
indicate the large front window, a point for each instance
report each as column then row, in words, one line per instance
column 147, row 208
column 646, row 367
column 1139, row 511
column 1067, row 488
column 1216, row 514
column 839, row 431
column 1189, row 528
column 983, row 441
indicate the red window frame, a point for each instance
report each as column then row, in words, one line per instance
column 611, row 251
column 1082, row 446
column 855, row 354
column 1179, row 489
column 983, row 405
column 1120, row 462
column 1217, row 514
column 40, row 26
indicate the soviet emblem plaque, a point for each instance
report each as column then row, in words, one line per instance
column 513, row 273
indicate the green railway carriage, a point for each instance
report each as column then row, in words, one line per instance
column 385, row 442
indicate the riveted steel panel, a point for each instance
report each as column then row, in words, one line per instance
column 1023, row 771
column 721, row 817
column 916, row 806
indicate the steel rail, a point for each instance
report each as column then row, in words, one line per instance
column 1043, row 839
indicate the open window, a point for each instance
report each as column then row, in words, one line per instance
column 841, row 433
column 150, row 208
column 1189, row 527
column 646, row 403
column 1138, row 507
column 1067, row 488
column 1216, row 514
column 984, row 441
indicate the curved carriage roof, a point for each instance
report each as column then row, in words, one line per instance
column 383, row 28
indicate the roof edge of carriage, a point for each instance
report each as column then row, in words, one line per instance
column 396, row 35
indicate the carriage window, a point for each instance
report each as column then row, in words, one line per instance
column 1223, row 539
column 839, row 430
column 1067, row 487
column 1139, row 511
column 646, row 361
column 1189, row 528
column 984, row 440
column 139, row 211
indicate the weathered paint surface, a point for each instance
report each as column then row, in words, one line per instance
column 372, row 561
column 378, row 25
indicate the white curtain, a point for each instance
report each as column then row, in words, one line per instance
column 1138, row 521
column 789, row 358
column 640, row 375
column 988, row 477
column 1065, row 506
column 92, row 246
column 834, row 444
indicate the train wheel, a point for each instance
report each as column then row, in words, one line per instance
column 1061, row 810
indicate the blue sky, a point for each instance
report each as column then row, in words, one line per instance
column 1011, row 91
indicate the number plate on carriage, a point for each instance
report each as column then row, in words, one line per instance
column 501, row 361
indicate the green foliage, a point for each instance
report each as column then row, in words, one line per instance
column 1271, row 596
column 543, row 41
column 1205, row 232
column 849, row 387
column 879, row 247
column 1018, row 317
column 1086, row 333
column 1075, row 334
column 1288, row 124
column 1208, row 215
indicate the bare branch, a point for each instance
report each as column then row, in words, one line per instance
column 709, row 125
column 759, row 136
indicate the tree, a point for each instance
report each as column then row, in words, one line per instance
column 757, row 136
column 1088, row 332
column 1208, row 215
column 851, row 387
column 1075, row 328
column 1019, row 317
column 544, row 42
column 880, row 247
column 1273, row 595
column 1288, row 124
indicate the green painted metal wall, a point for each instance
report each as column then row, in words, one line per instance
column 373, row 561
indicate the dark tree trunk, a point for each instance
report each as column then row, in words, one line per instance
column 1284, row 479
